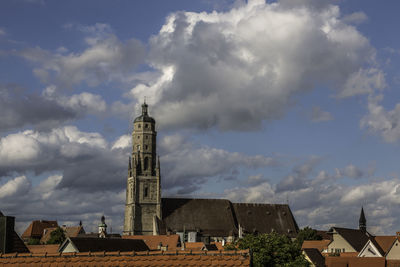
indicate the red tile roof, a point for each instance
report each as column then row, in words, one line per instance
column 318, row 244
column 354, row 261
column 152, row 241
column 35, row 249
column 385, row 242
column 35, row 229
column 141, row 259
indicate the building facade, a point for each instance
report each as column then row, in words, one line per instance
column 143, row 189
column 194, row 220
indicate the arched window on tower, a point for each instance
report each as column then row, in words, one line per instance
column 146, row 192
column 146, row 163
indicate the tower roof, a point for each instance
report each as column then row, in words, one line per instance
column 145, row 116
column 362, row 219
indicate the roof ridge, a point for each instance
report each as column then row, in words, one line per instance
column 244, row 252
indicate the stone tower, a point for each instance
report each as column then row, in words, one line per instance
column 143, row 189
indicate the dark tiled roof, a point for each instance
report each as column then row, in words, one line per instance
column 212, row 217
column 106, row 244
column 210, row 247
column 265, row 218
column 315, row 256
column 356, row 238
column 140, row 259
column 18, row 244
column 35, row 229
column 324, row 235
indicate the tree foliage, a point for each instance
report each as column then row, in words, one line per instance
column 307, row 233
column 57, row 236
column 272, row 250
column 33, row 241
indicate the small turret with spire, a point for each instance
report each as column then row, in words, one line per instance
column 362, row 222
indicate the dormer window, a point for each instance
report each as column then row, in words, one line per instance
column 139, row 126
column 146, row 126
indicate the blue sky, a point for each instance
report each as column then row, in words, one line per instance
column 272, row 102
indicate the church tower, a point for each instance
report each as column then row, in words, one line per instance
column 143, row 190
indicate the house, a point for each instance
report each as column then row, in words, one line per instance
column 36, row 230
column 136, row 259
column 93, row 244
column 9, row 239
column 378, row 246
column 349, row 240
column 393, row 252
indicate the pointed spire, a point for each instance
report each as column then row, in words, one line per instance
column 362, row 222
column 144, row 108
column 80, row 223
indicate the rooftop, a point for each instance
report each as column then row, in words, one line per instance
column 137, row 259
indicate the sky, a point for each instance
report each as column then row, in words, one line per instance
column 288, row 101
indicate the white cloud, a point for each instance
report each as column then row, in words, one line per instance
column 380, row 121
column 83, row 103
column 18, row 185
column 365, row 81
column 248, row 64
column 123, row 142
column 319, row 115
column 105, row 59
column 356, row 17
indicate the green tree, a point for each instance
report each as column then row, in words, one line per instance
column 33, row 241
column 307, row 233
column 57, row 236
column 272, row 250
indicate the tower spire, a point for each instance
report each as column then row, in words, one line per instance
column 362, row 222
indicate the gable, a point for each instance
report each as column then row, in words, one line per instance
column 370, row 250
column 394, row 251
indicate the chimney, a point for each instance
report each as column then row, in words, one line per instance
column 6, row 234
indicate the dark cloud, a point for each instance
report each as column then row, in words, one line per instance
column 186, row 165
column 19, row 108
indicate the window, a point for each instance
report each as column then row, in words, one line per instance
column 138, row 147
column 146, row 126
column 139, row 126
column 146, row 147
column 147, row 137
column 146, row 191
column 138, row 137
column 146, row 163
